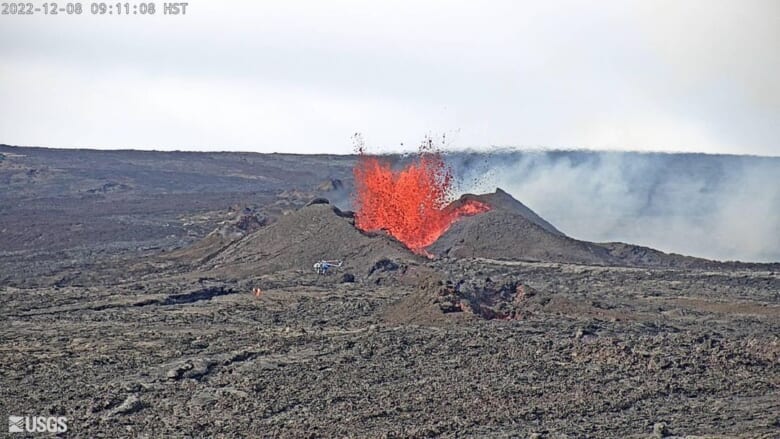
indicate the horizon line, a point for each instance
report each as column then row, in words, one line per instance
column 493, row 149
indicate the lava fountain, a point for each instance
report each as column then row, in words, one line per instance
column 412, row 203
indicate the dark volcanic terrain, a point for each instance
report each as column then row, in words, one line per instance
column 151, row 294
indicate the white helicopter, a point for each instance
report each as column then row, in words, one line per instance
column 322, row 267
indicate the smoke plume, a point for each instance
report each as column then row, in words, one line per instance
column 713, row 206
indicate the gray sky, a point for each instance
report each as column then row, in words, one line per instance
column 298, row 76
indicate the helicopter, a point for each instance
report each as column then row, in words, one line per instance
column 323, row 266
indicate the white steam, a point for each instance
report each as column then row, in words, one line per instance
column 717, row 207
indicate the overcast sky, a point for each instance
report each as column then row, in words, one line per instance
column 295, row 76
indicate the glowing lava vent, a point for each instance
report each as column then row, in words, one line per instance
column 412, row 203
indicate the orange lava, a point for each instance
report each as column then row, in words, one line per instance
column 411, row 204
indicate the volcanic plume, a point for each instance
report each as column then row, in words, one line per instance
column 411, row 203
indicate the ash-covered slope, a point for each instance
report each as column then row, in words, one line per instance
column 510, row 230
column 298, row 240
column 501, row 200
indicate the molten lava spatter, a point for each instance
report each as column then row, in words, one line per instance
column 411, row 203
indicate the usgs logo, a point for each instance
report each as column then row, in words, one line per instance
column 37, row 424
